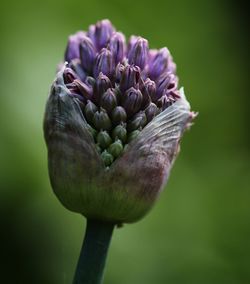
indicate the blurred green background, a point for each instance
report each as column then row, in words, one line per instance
column 199, row 231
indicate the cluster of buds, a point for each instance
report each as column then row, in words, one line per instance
column 123, row 104
column 120, row 87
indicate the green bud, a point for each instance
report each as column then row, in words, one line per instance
column 133, row 135
column 101, row 120
column 107, row 158
column 103, row 139
column 99, row 149
column 116, row 148
column 92, row 131
column 119, row 115
column 139, row 120
column 90, row 110
column 120, row 132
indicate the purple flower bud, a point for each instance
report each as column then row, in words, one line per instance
column 117, row 46
column 118, row 72
column 83, row 89
column 72, row 50
column 101, row 86
column 108, row 100
column 150, row 87
column 138, row 53
column 101, row 33
column 165, row 81
column 104, row 63
column 132, row 101
column 159, row 63
column 132, row 40
column 128, row 93
column 87, row 54
column 119, row 115
column 76, row 66
column 130, row 77
column 69, row 75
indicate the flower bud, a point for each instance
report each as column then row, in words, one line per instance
column 119, row 115
column 103, row 139
column 118, row 72
column 92, row 101
column 69, row 76
column 82, row 88
column 132, row 101
column 138, row 52
column 101, row 86
column 90, row 110
column 138, row 121
column 117, row 46
column 116, row 148
column 120, row 132
column 92, row 131
column 151, row 111
column 76, row 66
column 130, row 77
column 107, row 158
column 150, row 87
column 108, row 100
column 87, row 54
column 72, row 50
column 102, row 33
column 104, row 63
column 101, row 120
column 133, row 135
column 165, row 81
column 159, row 63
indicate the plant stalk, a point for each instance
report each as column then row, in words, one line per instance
column 91, row 263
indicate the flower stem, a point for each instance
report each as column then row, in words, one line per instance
column 93, row 253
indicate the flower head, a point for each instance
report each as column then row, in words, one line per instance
column 113, row 123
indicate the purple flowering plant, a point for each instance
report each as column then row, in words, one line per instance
column 113, row 123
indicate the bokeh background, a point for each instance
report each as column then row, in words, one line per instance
column 199, row 231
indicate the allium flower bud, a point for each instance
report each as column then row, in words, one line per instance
column 108, row 100
column 159, row 63
column 120, row 132
column 102, row 84
column 76, row 66
column 113, row 124
column 72, row 50
column 151, row 111
column 117, row 46
column 103, row 139
column 132, row 101
column 101, row 120
column 130, row 77
column 138, row 52
column 90, row 110
column 104, row 63
column 119, row 115
column 87, row 54
column 102, row 33
column 116, row 148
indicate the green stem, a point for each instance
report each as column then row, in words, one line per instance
column 93, row 253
